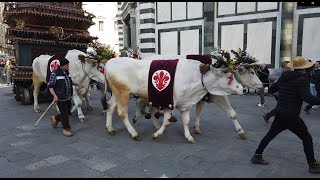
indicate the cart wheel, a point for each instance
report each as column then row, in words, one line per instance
column 17, row 92
column 25, row 97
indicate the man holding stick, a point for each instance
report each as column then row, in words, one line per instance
column 60, row 87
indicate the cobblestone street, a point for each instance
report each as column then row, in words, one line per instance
column 33, row 152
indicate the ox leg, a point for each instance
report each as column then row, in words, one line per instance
column 166, row 116
column 86, row 97
column 77, row 106
column 140, row 104
column 122, row 108
column 155, row 122
column 36, row 88
column 199, row 110
column 109, row 115
column 104, row 103
column 185, row 115
column 224, row 104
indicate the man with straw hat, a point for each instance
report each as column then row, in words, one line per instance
column 293, row 87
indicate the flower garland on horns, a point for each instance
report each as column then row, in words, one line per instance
column 244, row 57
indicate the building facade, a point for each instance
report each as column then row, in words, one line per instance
column 273, row 31
column 4, row 47
column 105, row 27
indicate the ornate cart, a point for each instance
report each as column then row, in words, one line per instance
column 43, row 28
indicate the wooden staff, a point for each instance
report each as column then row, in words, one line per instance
column 43, row 114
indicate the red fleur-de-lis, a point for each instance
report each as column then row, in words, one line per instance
column 161, row 80
column 54, row 65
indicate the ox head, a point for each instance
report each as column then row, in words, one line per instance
column 221, row 81
column 248, row 75
column 92, row 68
column 246, row 67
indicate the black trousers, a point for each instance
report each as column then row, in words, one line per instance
column 309, row 106
column 295, row 125
column 64, row 107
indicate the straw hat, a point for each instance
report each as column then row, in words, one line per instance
column 299, row 63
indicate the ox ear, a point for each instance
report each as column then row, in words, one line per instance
column 82, row 58
column 204, row 68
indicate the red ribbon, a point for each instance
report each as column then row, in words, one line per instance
column 102, row 70
column 230, row 79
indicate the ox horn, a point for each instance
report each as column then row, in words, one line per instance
column 249, row 65
column 229, row 69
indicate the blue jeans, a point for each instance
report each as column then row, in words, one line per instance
column 313, row 90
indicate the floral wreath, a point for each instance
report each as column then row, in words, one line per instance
column 244, row 57
column 222, row 56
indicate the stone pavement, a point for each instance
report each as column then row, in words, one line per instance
column 27, row 151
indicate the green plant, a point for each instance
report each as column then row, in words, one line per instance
column 104, row 52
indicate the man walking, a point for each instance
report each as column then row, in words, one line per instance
column 293, row 87
column 60, row 87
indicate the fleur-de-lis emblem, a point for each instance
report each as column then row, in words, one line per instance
column 54, row 64
column 161, row 79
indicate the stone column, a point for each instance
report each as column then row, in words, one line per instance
column 286, row 31
column 208, row 13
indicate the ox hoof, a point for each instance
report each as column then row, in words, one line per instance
column 154, row 137
column 90, row 108
column 192, row 141
column 243, row 136
column 173, row 119
column 82, row 120
column 134, row 120
column 112, row 133
column 136, row 138
column 148, row 116
column 158, row 114
column 37, row 110
column 198, row 131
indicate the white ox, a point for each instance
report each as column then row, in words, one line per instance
column 128, row 76
column 81, row 73
column 248, row 78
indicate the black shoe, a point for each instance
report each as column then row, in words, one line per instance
column 258, row 159
column 266, row 118
column 314, row 168
column 307, row 111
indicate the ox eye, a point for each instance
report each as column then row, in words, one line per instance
column 252, row 72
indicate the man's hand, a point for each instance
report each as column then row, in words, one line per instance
column 55, row 98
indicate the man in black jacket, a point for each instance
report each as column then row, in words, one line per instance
column 315, row 80
column 293, row 87
column 60, row 87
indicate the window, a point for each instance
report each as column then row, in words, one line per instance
column 100, row 25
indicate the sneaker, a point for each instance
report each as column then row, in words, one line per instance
column 261, row 105
column 67, row 132
column 315, row 106
column 314, row 168
column 54, row 122
column 306, row 111
column 258, row 159
column 265, row 117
